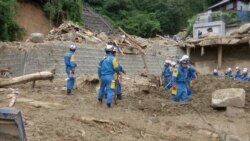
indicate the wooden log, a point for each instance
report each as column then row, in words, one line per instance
column 136, row 45
column 44, row 75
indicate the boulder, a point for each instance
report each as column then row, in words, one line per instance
column 234, row 97
column 36, row 37
column 244, row 28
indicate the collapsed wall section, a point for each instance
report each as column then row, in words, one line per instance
column 43, row 56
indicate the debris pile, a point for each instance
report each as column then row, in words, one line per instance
column 127, row 44
column 69, row 31
column 235, row 37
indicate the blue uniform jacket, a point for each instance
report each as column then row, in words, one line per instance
column 229, row 74
column 108, row 66
column 180, row 75
column 245, row 77
column 167, row 73
column 69, row 59
column 237, row 75
column 191, row 73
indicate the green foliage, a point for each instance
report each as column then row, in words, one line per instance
column 10, row 31
column 143, row 24
column 59, row 10
column 227, row 17
column 191, row 22
column 163, row 16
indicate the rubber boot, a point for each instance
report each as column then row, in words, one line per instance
column 68, row 92
column 119, row 97
column 109, row 105
column 100, row 101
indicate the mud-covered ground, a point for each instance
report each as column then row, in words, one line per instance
column 144, row 114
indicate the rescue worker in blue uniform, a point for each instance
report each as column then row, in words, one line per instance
column 70, row 63
column 192, row 75
column 215, row 73
column 167, row 75
column 108, row 66
column 244, row 75
column 179, row 89
column 237, row 75
column 229, row 73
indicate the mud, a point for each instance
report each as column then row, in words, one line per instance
column 144, row 114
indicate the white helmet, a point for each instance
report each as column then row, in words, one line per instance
column 229, row 69
column 173, row 63
column 215, row 70
column 237, row 68
column 185, row 57
column 109, row 48
column 72, row 47
column 245, row 70
column 167, row 62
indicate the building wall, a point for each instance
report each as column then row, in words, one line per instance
column 50, row 54
column 232, row 57
column 218, row 27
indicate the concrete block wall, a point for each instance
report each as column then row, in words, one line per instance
column 12, row 58
column 48, row 55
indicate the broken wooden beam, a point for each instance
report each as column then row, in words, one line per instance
column 135, row 44
column 44, row 75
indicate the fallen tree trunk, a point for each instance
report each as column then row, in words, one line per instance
column 44, row 75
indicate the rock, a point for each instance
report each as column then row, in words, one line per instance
column 103, row 36
column 233, row 138
column 234, row 97
column 234, row 111
column 244, row 28
column 36, row 37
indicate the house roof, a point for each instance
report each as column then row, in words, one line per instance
column 219, row 4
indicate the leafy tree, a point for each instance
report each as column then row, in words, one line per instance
column 172, row 15
column 59, row 10
column 10, row 31
column 143, row 24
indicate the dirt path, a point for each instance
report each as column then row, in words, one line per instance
column 145, row 113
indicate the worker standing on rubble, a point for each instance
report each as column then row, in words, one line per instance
column 108, row 66
column 237, row 75
column 167, row 75
column 179, row 89
column 191, row 75
column 228, row 73
column 70, row 62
